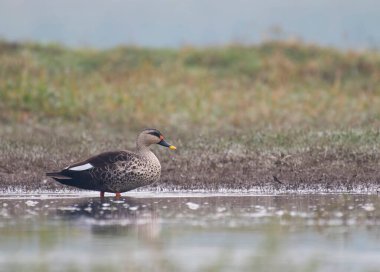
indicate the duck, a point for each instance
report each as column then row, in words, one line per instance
column 117, row 171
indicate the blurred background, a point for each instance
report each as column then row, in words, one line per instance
column 212, row 66
column 236, row 78
column 169, row 23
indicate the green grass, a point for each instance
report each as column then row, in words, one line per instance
column 275, row 85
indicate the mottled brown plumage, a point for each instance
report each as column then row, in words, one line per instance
column 117, row 171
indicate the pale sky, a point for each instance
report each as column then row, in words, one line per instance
column 174, row 23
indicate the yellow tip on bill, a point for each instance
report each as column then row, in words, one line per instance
column 172, row 147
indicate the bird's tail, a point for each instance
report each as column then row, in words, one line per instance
column 57, row 175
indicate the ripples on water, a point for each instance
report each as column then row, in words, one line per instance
column 218, row 233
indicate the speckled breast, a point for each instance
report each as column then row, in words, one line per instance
column 128, row 175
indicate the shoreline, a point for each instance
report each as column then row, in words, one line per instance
column 9, row 193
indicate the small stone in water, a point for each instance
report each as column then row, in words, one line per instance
column 220, row 209
column 192, row 206
column 31, row 203
column 368, row 207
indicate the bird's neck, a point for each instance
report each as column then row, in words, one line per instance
column 143, row 149
column 150, row 157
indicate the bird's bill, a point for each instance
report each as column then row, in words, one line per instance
column 164, row 143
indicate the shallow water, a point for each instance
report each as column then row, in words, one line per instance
column 190, row 233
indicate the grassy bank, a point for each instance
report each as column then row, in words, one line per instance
column 240, row 115
column 272, row 85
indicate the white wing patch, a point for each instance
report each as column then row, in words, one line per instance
column 82, row 167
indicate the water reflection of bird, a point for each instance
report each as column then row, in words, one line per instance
column 117, row 171
column 108, row 217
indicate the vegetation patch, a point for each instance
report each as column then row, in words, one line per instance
column 279, row 115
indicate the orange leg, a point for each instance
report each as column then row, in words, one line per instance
column 101, row 194
column 118, row 195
